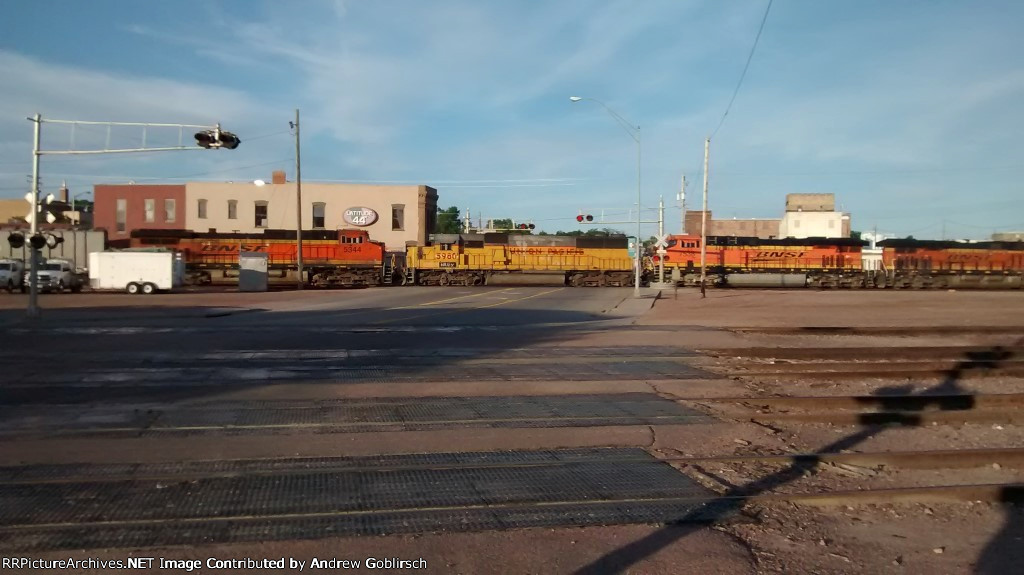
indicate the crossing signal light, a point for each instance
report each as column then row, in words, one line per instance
column 53, row 241
column 217, row 139
column 580, row 218
column 16, row 239
column 526, row 226
column 37, row 241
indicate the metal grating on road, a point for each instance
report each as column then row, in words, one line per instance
column 354, row 415
column 405, row 371
column 353, row 496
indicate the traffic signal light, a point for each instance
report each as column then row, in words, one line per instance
column 217, row 138
column 16, row 239
column 37, row 241
column 580, row 218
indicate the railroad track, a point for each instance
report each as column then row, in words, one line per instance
column 868, row 410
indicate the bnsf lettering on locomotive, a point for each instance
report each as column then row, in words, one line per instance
column 780, row 254
column 233, row 248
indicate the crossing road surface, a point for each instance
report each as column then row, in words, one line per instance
column 449, row 420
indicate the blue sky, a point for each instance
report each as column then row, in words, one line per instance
column 910, row 112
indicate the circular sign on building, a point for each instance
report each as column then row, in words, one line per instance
column 360, row 216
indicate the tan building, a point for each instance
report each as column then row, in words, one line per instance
column 750, row 228
column 394, row 215
column 810, row 202
column 1008, row 237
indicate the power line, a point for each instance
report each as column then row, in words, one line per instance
column 747, row 65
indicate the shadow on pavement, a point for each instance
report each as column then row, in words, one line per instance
column 1005, row 549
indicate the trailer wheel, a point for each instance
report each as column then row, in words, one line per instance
column 133, row 288
column 148, row 288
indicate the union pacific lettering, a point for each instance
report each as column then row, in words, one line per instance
column 779, row 254
column 547, row 251
column 233, row 248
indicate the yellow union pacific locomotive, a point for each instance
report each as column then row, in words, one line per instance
column 498, row 258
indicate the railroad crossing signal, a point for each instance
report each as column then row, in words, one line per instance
column 662, row 242
column 29, row 217
column 580, row 218
column 53, row 241
column 16, row 239
column 526, row 226
column 217, row 138
column 37, row 241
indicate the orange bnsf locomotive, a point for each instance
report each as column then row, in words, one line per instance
column 845, row 263
column 754, row 262
column 340, row 258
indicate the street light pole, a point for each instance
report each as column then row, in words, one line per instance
column 634, row 132
column 704, row 222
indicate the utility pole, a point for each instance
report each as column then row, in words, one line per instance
column 298, row 202
column 704, row 223
column 661, row 232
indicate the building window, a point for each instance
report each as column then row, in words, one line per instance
column 150, row 210
column 831, row 224
column 397, row 217
column 319, row 208
column 232, row 209
column 122, row 214
column 202, row 210
column 261, row 214
column 171, row 211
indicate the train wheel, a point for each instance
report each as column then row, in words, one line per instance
column 444, row 280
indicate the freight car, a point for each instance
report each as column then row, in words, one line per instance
column 923, row 264
column 845, row 263
column 498, row 258
column 339, row 258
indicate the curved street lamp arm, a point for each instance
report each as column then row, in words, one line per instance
column 633, row 131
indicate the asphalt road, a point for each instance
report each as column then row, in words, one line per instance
column 268, row 421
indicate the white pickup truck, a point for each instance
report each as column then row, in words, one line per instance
column 57, row 275
column 11, row 272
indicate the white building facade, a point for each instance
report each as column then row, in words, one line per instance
column 814, row 225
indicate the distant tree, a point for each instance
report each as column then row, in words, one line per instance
column 448, row 221
column 543, row 234
column 855, row 235
column 507, row 225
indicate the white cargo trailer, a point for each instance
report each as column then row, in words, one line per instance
column 136, row 272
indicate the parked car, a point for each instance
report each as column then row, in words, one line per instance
column 11, row 272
